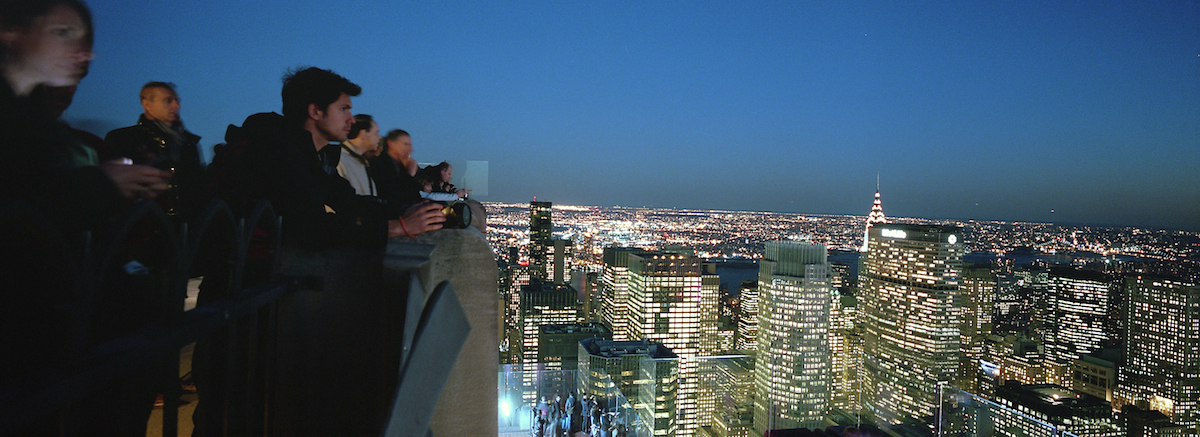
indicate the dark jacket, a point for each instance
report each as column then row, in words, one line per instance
column 393, row 184
column 147, row 143
column 267, row 159
column 44, row 164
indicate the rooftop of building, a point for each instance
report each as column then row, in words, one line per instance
column 577, row 328
column 612, row 349
column 1054, row 400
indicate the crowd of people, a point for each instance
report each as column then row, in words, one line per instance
column 566, row 417
column 328, row 173
column 370, row 182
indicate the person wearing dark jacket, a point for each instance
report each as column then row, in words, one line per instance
column 160, row 140
column 283, row 159
column 342, row 331
column 48, row 173
column 393, row 171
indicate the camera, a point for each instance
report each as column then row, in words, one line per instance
column 458, row 215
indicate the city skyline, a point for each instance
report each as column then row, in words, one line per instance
column 1071, row 112
column 887, row 344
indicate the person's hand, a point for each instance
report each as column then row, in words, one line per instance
column 422, row 217
column 411, row 166
column 463, row 192
column 137, row 181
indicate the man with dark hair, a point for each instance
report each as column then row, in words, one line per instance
column 160, row 140
column 284, row 159
column 364, row 137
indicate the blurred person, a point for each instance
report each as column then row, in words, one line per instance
column 441, row 175
column 427, row 192
column 363, row 137
column 394, row 169
column 374, row 151
column 55, row 100
column 160, row 140
column 47, row 45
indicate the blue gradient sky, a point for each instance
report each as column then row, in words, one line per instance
column 1071, row 112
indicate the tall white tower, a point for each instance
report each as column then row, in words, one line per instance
column 793, row 371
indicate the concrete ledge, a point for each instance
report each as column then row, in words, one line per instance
column 468, row 403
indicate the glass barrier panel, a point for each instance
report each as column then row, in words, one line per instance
column 541, row 402
column 735, row 396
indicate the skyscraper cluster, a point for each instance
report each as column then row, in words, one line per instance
column 876, row 340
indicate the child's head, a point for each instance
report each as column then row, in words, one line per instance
column 425, row 183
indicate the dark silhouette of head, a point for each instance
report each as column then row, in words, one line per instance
column 362, row 122
column 311, row 86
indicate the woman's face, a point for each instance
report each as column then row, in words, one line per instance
column 54, row 49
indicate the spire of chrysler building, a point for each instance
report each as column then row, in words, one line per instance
column 876, row 216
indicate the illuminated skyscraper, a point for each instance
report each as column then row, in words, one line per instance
column 710, row 311
column 910, row 304
column 540, row 240
column 665, row 297
column 614, row 301
column 747, row 337
column 876, row 217
column 560, row 260
column 845, row 353
column 1162, row 348
column 793, row 370
column 544, row 304
column 731, row 385
column 1012, row 357
column 645, row 372
column 1076, row 319
column 979, row 291
column 710, row 344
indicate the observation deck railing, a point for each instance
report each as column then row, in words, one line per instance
column 93, row 330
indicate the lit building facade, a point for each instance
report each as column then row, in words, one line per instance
column 560, row 257
column 793, row 372
column 845, row 353
column 978, row 291
column 1095, row 375
column 614, row 294
column 1076, row 320
column 747, row 336
column 646, row 373
column 540, row 238
column 1063, row 409
column 665, row 300
column 710, row 342
column 1010, row 358
column 544, row 304
column 730, row 382
column 1162, row 348
column 911, row 308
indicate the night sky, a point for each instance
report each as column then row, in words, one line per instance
column 1069, row 112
